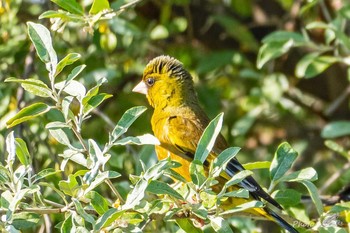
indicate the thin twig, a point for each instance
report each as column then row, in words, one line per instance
column 334, row 177
column 115, row 191
column 337, row 102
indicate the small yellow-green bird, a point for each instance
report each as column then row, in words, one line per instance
column 178, row 122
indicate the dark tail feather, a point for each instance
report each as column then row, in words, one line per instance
column 250, row 184
column 280, row 221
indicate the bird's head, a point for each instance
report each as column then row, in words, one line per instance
column 165, row 82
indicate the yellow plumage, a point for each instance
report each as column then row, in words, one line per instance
column 178, row 122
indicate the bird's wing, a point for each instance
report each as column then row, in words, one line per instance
column 184, row 134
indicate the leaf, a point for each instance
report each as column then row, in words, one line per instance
column 67, row 60
column 94, row 102
column 126, row 120
column 72, row 88
column 257, row 165
column 25, row 221
column 79, row 208
column 75, row 72
column 337, row 148
column 197, row 172
column 272, row 50
column 41, row 39
column 207, row 140
column 34, row 86
column 138, row 192
column 158, row 187
column 304, row 174
column 100, row 178
column 159, row 32
column 22, row 152
column 243, row 207
column 45, row 173
column 146, row 139
column 336, row 129
column 4, row 176
column 60, row 136
column 108, row 218
column 220, row 225
column 282, row 161
column 69, row 187
column 186, row 225
column 314, row 195
column 313, row 64
column 10, row 148
column 99, row 5
column 67, row 225
column 238, row 177
column 98, row 202
column 284, row 36
column 70, row 5
column 222, row 159
column 287, row 197
column 240, row 193
column 28, row 113
column 64, row 15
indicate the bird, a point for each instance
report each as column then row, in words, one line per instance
column 178, row 122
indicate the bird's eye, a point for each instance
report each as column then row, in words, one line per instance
column 150, row 81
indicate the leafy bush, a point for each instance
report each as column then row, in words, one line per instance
column 66, row 165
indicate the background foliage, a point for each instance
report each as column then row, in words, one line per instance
column 279, row 70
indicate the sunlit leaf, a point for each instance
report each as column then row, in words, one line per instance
column 314, row 195
column 272, row 50
column 34, row 86
column 197, row 172
column 208, row 138
column 70, row 5
column 41, row 38
column 220, row 225
column 27, row 113
column 79, row 208
column 10, row 148
column 69, row 186
column 99, row 5
column 146, row 139
column 222, row 159
column 22, row 152
column 98, row 202
column 107, row 218
column 67, row 60
column 282, row 161
column 287, row 197
column 158, row 187
column 336, row 129
column 94, row 102
column 304, row 174
column 73, row 88
column 313, row 64
column 126, row 120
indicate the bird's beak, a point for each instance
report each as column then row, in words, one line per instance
column 141, row 88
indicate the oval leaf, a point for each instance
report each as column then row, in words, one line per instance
column 41, row 38
column 336, row 129
column 34, row 86
column 282, row 161
column 207, row 140
column 126, row 120
column 28, row 113
column 67, row 60
column 70, row 5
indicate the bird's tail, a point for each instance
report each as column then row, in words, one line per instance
column 280, row 221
